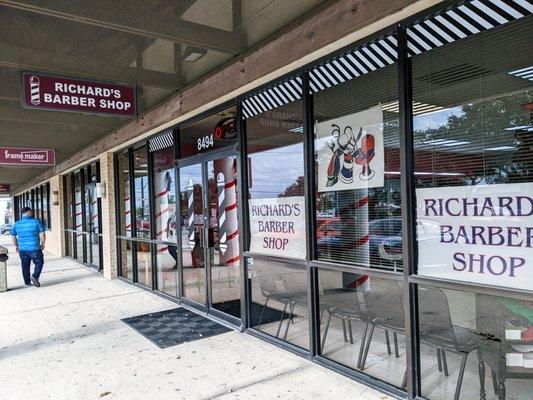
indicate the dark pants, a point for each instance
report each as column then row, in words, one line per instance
column 26, row 257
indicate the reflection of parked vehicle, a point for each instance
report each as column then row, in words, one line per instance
column 328, row 227
column 5, row 229
column 385, row 240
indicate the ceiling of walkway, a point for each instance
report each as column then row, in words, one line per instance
column 160, row 46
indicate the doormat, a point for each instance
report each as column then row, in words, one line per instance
column 175, row 326
column 233, row 307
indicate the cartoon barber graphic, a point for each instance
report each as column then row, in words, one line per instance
column 348, row 150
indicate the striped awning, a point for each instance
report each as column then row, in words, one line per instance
column 467, row 19
column 458, row 22
column 273, row 97
column 360, row 61
column 161, row 141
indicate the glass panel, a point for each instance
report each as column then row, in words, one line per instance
column 486, row 341
column 142, row 196
column 473, row 152
column 46, row 188
column 80, row 238
column 192, row 223
column 167, row 269
column 124, row 195
column 126, row 259
column 78, row 217
column 38, row 207
column 223, row 242
column 144, row 264
column 216, row 131
column 358, row 176
column 279, row 301
column 68, row 196
column 164, row 195
column 276, row 182
column 353, row 314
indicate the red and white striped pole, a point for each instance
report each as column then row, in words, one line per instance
column 359, row 248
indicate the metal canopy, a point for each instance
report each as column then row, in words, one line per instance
column 159, row 46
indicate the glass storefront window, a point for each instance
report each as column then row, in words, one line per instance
column 124, row 201
column 78, row 217
column 276, row 182
column 279, row 301
column 164, row 195
column 167, row 269
column 473, row 168
column 142, row 197
column 363, row 327
column 126, row 259
column 480, row 343
column 358, row 210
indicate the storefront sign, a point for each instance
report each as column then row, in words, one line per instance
column 5, row 188
column 350, row 151
column 23, row 156
column 481, row 234
column 67, row 94
column 277, row 226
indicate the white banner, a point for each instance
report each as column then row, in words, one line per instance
column 481, row 234
column 350, row 151
column 277, row 226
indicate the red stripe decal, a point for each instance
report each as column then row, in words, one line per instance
column 231, row 207
column 232, row 235
column 230, row 184
column 232, row 260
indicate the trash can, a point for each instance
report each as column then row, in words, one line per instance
column 3, row 269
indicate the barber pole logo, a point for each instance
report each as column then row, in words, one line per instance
column 34, row 91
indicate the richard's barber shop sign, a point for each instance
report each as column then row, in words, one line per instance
column 479, row 234
column 68, row 94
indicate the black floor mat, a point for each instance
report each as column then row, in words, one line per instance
column 233, row 307
column 175, row 326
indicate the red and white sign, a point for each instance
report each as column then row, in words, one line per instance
column 5, row 188
column 68, row 94
column 23, row 156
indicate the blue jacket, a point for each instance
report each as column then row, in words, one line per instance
column 27, row 231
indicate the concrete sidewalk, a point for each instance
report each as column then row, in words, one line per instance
column 66, row 340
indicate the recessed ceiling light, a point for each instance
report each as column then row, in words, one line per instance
column 418, row 107
column 498, row 148
column 525, row 73
column 299, row 129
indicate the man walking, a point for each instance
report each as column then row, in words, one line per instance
column 28, row 237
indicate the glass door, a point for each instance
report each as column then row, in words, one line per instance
column 223, row 234
column 91, row 225
column 192, row 233
column 210, row 234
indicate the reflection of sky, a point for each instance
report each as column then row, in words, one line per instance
column 435, row 119
column 275, row 170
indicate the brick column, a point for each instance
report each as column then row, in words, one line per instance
column 108, row 216
column 55, row 237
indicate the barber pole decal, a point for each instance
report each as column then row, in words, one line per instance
column 34, row 91
column 221, row 196
column 228, row 223
column 190, row 194
column 127, row 211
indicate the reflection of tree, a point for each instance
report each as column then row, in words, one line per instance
column 485, row 122
column 295, row 189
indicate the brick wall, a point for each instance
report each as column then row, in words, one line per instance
column 55, row 238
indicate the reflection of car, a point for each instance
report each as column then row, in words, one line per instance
column 385, row 240
column 5, row 229
column 328, row 227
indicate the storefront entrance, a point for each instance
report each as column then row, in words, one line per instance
column 210, row 233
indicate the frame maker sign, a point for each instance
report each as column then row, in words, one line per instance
column 47, row 92
column 24, row 156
